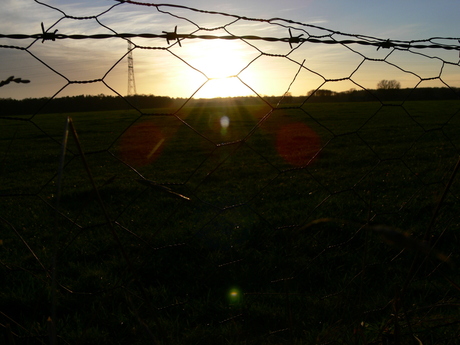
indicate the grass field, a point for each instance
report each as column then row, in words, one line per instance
column 274, row 240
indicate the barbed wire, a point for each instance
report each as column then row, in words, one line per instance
column 174, row 36
column 13, row 79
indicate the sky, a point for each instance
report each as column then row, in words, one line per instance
column 205, row 68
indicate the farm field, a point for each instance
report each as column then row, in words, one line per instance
column 232, row 223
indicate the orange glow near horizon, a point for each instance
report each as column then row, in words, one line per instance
column 222, row 88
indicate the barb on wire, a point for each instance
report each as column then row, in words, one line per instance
column 172, row 36
column 294, row 39
column 13, row 79
column 386, row 45
column 48, row 36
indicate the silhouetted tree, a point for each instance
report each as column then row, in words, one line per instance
column 388, row 84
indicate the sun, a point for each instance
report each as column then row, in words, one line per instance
column 223, row 87
column 221, row 62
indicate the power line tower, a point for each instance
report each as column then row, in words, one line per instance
column 131, row 81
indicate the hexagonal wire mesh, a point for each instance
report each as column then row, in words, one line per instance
column 245, row 219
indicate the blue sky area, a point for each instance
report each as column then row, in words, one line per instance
column 210, row 68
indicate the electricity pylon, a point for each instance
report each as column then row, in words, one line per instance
column 131, row 81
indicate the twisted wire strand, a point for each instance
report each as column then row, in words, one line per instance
column 380, row 43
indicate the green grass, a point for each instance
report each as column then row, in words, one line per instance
column 170, row 270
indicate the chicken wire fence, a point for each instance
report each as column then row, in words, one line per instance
column 328, row 217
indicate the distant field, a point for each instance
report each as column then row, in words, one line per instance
column 258, row 180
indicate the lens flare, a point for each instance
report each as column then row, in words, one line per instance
column 224, row 123
column 234, row 296
column 297, row 144
column 141, row 144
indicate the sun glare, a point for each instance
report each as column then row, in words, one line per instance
column 223, row 87
column 220, row 59
column 221, row 62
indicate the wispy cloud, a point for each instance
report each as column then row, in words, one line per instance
column 159, row 71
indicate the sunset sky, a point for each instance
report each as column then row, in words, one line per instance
column 225, row 67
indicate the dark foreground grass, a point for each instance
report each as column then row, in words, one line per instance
column 276, row 245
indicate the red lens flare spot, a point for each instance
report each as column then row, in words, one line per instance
column 297, row 144
column 141, row 144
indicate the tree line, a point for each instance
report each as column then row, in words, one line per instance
column 84, row 103
column 385, row 94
